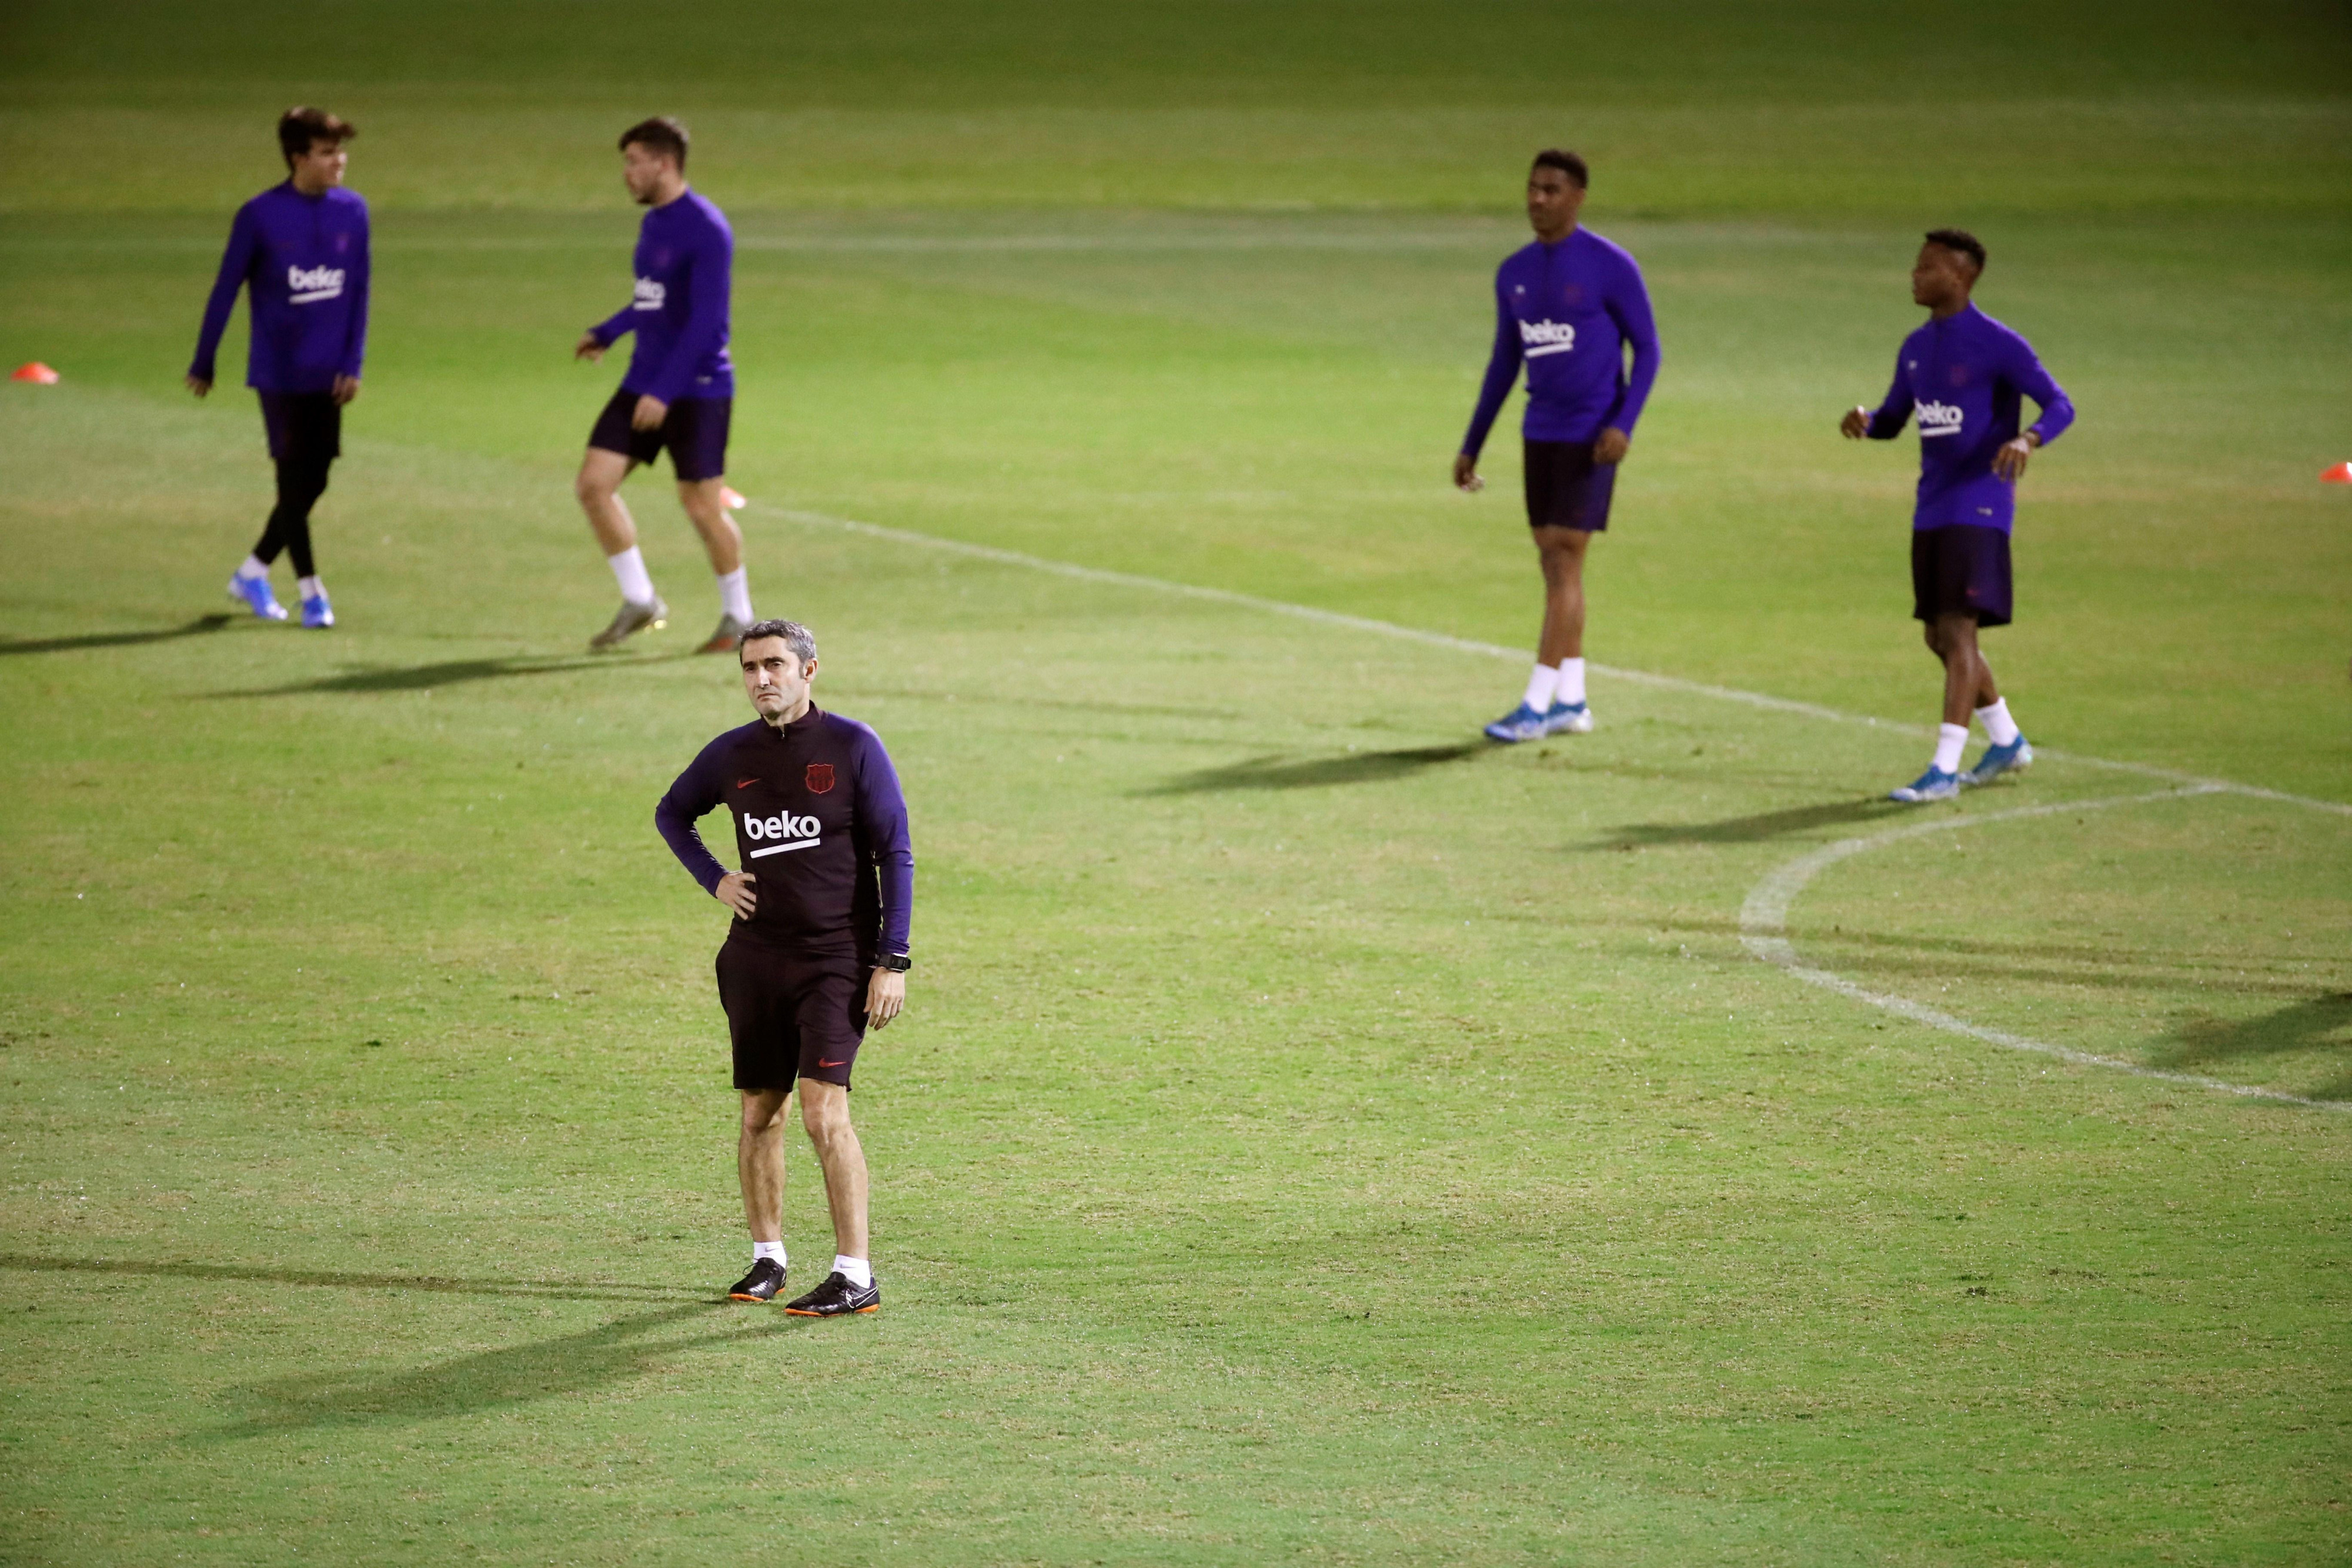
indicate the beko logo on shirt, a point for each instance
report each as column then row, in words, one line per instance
column 1543, row 338
column 1938, row 419
column 650, row 295
column 793, row 834
column 314, row 283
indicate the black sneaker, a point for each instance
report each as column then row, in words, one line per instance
column 837, row 1296
column 766, row 1278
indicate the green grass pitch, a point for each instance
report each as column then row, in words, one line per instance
column 1316, row 1136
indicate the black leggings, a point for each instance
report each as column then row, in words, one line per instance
column 300, row 483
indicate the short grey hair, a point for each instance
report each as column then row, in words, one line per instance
column 797, row 637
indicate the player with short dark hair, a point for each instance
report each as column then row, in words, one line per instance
column 678, row 392
column 1965, row 373
column 1568, row 306
column 300, row 250
column 818, row 947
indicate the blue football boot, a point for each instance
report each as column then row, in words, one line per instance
column 1933, row 785
column 2014, row 757
column 254, row 594
column 1569, row 718
column 317, row 613
column 1522, row 723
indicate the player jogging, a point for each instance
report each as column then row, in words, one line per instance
column 1964, row 372
column 300, row 252
column 1567, row 305
column 818, row 946
column 679, row 390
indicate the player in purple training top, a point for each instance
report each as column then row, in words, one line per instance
column 1569, row 306
column 301, row 251
column 679, row 390
column 1965, row 373
column 817, row 951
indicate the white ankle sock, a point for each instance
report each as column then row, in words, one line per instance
column 1571, row 682
column 735, row 593
column 856, row 1270
column 629, row 570
column 1950, row 739
column 768, row 1249
column 1540, row 685
column 1998, row 726
column 253, row 567
column 312, row 588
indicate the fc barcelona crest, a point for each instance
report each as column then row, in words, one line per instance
column 820, row 777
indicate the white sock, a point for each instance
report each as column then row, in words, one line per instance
column 312, row 588
column 629, row 570
column 253, row 567
column 1571, row 682
column 768, row 1249
column 1540, row 684
column 735, row 593
column 1998, row 724
column 1950, row 739
column 856, row 1270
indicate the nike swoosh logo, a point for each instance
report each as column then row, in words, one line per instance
column 745, row 783
column 820, row 1061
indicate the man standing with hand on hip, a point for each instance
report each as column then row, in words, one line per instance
column 818, row 947
column 679, row 390
column 1569, row 306
column 301, row 251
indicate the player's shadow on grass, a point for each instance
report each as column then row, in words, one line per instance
column 424, row 677
column 2319, row 1025
column 1347, row 767
column 196, row 627
column 517, row 1375
column 1753, row 829
column 345, row 1280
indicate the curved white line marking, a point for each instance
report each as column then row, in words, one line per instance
column 1764, row 924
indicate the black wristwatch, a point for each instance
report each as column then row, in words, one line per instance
column 897, row 963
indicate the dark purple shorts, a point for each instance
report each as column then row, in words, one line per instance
column 695, row 433
column 1566, row 489
column 791, row 1014
column 1960, row 569
column 304, row 428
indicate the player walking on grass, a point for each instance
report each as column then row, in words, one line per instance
column 301, row 251
column 1567, row 305
column 1964, row 372
column 679, row 390
column 818, row 946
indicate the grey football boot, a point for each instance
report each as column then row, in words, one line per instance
column 627, row 621
column 722, row 641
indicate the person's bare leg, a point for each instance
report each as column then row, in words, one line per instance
column 1561, row 554
column 720, row 538
column 760, row 1162
column 825, row 1111
column 598, row 488
column 1968, row 679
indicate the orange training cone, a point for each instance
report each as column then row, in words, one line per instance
column 2339, row 474
column 37, row 372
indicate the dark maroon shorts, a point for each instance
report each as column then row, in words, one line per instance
column 695, row 433
column 1960, row 569
column 792, row 1015
column 1566, row 489
column 304, row 428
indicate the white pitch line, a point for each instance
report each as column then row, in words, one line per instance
column 1764, row 926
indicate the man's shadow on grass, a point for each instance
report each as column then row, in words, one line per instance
column 346, row 1279
column 2321, row 1025
column 1348, row 768
column 1753, row 829
column 196, row 627
column 451, row 672
column 517, row 1375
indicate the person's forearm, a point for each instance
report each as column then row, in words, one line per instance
column 675, row 820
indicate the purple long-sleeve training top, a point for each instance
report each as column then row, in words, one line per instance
column 1964, row 374
column 685, row 266
column 1567, row 311
column 303, row 261
column 820, row 823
